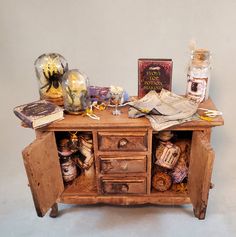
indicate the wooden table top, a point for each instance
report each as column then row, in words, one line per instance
column 107, row 120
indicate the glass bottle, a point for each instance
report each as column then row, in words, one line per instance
column 68, row 165
column 68, row 168
column 75, row 85
column 49, row 70
column 198, row 75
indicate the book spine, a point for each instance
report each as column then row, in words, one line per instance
column 24, row 119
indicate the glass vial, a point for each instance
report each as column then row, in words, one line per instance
column 49, row 70
column 198, row 75
column 75, row 85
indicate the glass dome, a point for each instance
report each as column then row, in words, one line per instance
column 49, row 71
column 75, row 85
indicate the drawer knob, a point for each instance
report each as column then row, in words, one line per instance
column 124, row 188
column 107, row 166
column 122, row 143
column 120, row 188
column 123, row 165
column 115, row 188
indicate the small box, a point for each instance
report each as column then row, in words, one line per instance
column 154, row 74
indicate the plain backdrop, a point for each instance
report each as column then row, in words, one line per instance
column 104, row 39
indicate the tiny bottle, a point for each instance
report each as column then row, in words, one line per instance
column 198, row 75
column 68, row 168
column 68, row 165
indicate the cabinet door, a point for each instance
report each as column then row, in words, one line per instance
column 200, row 170
column 43, row 170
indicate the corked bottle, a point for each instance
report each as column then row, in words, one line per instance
column 68, row 165
column 198, row 75
column 68, row 168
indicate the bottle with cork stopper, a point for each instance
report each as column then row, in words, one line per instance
column 198, row 75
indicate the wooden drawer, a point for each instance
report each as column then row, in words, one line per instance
column 132, row 185
column 122, row 164
column 122, row 141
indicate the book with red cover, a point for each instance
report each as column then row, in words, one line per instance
column 154, row 74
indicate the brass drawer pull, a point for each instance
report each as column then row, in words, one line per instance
column 119, row 185
column 107, row 166
column 122, row 143
column 122, row 164
column 117, row 188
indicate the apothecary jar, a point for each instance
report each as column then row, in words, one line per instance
column 199, row 75
column 75, row 85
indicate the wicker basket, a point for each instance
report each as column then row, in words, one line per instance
column 161, row 181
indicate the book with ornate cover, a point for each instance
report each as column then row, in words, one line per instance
column 39, row 113
column 154, row 74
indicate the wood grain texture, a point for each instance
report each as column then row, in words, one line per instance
column 149, row 160
column 122, row 164
column 159, row 199
column 43, row 170
column 82, row 185
column 200, row 170
column 107, row 120
column 128, row 185
column 122, row 141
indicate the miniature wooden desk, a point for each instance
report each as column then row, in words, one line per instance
column 121, row 185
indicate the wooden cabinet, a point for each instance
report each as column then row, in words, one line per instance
column 123, row 167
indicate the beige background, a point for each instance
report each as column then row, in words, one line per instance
column 104, row 39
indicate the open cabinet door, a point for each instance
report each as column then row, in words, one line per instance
column 200, row 170
column 43, row 170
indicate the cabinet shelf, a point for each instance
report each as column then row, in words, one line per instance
column 82, row 185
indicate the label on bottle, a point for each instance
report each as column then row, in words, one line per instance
column 196, row 88
column 69, row 171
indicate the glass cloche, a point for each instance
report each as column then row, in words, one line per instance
column 49, row 71
column 75, row 85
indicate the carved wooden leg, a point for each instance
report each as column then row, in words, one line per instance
column 54, row 211
column 200, row 211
